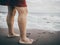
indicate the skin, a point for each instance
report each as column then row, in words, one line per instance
column 10, row 19
column 22, row 19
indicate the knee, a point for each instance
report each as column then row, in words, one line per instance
column 22, row 10
column 23, row 14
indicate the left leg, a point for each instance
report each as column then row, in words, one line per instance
column 10, row 20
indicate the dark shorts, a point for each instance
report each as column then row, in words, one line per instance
column 20, row 3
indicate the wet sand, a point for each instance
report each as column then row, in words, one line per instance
column 41, row 37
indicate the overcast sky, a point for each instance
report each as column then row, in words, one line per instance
column 52, row 6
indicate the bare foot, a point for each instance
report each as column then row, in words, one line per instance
column 13, row 35
column 26, row 41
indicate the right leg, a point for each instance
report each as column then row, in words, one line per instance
column 22, row 19
column 10, row 20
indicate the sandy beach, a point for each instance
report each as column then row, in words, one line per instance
column 41, row 37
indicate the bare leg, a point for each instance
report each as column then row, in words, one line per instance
column 10, row 20
column 22, row 18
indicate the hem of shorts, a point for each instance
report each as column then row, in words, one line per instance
column 16, row 6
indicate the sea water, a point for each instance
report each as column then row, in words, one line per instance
column 36, row 21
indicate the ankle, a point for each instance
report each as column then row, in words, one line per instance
column 11, row 33
column 24, row 38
